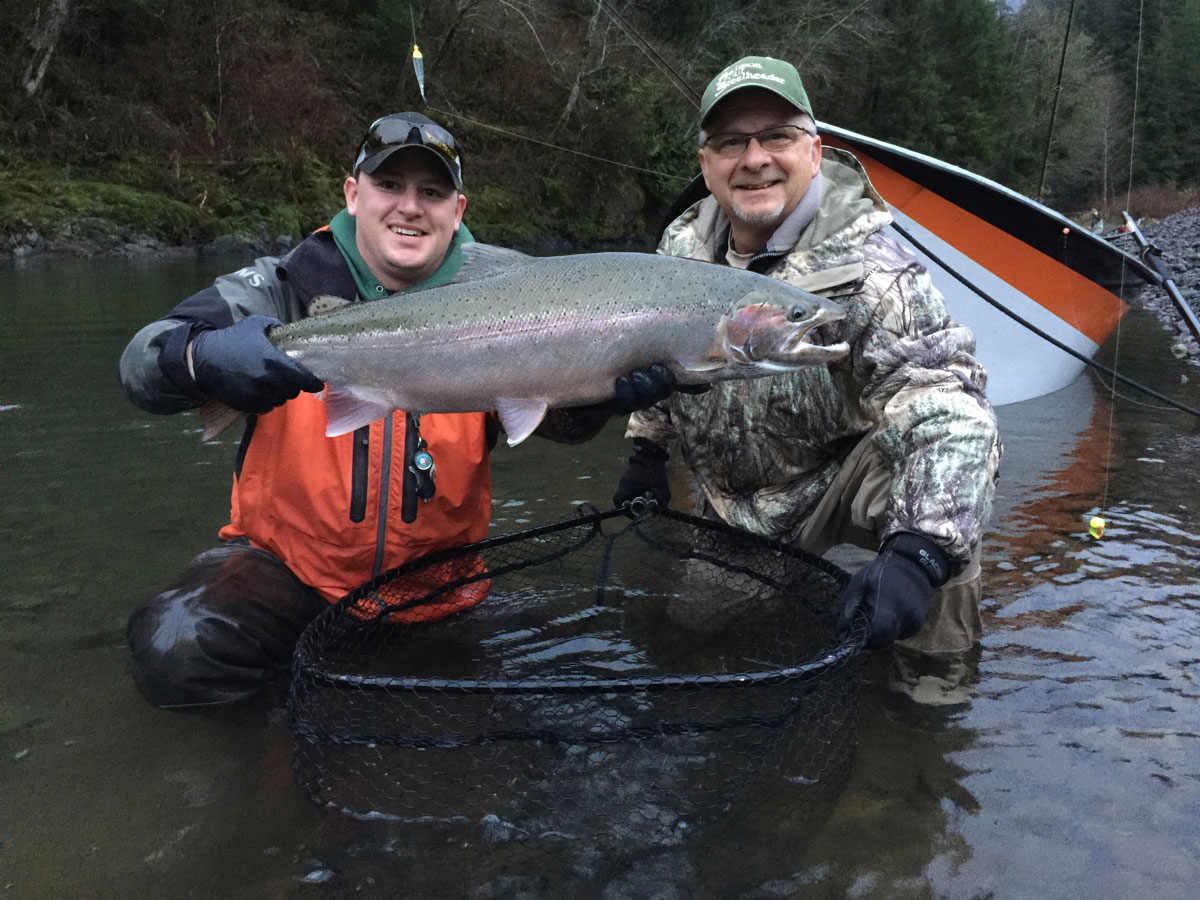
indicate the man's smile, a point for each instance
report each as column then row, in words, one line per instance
column 758, row 184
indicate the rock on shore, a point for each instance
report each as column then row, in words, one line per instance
column 1178, row 237
column 88, row 237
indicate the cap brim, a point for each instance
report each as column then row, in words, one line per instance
column 745, row 87
column 377, row 159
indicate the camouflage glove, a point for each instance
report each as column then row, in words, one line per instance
column 893, row 590
column 645, row 476
column 241, row 368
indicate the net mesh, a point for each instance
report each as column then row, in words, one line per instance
column 600, row 679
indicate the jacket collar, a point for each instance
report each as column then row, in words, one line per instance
column 316, row 267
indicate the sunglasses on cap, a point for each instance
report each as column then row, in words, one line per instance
column 392, row 133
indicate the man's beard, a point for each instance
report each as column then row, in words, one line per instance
column 757, row 219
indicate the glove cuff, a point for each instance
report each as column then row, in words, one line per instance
column 649, row 450
column 924, row 552
column 172, row 359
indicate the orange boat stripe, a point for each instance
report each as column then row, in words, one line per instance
column 1086, row 306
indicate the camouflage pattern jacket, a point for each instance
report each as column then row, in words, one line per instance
column 764, row 451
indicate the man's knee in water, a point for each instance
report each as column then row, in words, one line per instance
column 222, row 632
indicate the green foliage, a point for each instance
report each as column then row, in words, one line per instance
column 1170, row 113
column 39, row 198
column 951, row 98
column 188, row 121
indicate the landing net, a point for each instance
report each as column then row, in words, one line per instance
column 596, row 679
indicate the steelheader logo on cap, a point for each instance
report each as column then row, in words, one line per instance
column 773, row 75
column 744, row 71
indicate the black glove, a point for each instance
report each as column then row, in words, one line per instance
column 894, row 589
column 642, row 388
column 645, row 476
column 241, row 368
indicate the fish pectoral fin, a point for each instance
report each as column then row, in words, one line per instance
column 216, row 417
column 347, row 409
column 519, row 418
column 712, row 364
column 326, row 303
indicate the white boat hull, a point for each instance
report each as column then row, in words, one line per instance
column 1020, row 365
column 1037, row 265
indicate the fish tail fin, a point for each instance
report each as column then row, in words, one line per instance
column 216, row 418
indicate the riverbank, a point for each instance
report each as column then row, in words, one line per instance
column 1178, row 237
column 145, row 211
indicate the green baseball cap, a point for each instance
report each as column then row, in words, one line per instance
column 773, row 75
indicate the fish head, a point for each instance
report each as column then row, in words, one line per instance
column 771, row 329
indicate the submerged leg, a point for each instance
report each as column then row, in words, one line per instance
column 222, row 632
column 853, row 510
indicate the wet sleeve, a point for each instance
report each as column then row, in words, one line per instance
column 573, row 425
column 925, row 391
column 153, row 370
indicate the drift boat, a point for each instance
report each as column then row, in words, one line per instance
column 1035, row 262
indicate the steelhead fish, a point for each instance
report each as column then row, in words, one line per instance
column 520, row 334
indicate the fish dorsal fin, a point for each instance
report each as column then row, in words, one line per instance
column 485, row 260
column 325, row 303
column 348, row 409
column 519, row 418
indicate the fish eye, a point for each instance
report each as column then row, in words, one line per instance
column 795, row 314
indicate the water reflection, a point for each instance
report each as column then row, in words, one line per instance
column 1074, row 772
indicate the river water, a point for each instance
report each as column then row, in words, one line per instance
column 1074, row 772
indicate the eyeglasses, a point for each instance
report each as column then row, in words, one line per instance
column 774, row 140
column 416, row 130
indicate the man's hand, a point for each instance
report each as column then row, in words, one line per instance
column 640, row 389
column 241, row 368
column 645, row 476
column 893, row 590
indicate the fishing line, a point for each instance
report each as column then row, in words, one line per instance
column 1112, row 406
column 693, row 96
column 646, row 47
column 1071, row 351
column 1128, row 398
column 532, row 140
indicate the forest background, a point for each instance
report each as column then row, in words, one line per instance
column 176, row 123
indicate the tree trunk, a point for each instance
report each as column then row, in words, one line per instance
column 47, row 28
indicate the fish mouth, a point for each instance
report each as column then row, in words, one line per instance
column 777, row 338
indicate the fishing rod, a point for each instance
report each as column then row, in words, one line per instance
column 1062, row 64
column 1152, row 256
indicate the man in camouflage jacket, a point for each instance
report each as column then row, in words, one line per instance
column 894, row 448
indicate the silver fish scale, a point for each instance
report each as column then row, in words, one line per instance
column 559, row 329
column 543, row 289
